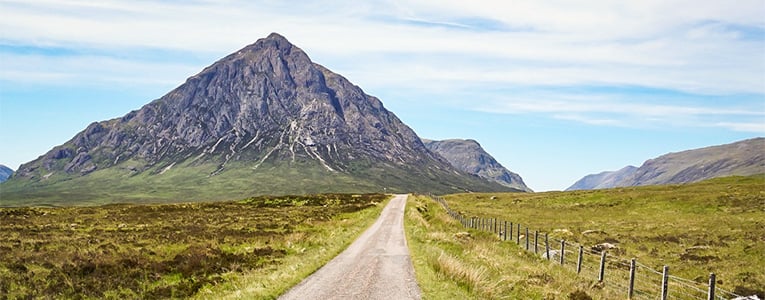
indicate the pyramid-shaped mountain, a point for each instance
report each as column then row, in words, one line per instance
column 263, row 120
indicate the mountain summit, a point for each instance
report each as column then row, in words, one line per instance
column 469, row 156
column 263, row 120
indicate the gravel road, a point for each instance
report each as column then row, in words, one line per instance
column 376, row 266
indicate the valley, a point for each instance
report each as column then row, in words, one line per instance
column 147, row 205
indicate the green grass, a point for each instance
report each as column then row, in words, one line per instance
column 190, row 181
column 452, row 263
column 712, row 226
column 185, row 182
column 256, row 248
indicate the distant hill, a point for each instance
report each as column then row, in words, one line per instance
column 603, row 180
column 262, row 120
column 5, row 173
column 743, row 158
column 469, row 156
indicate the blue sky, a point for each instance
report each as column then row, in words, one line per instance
column 554, row 90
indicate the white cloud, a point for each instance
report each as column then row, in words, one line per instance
column 755, row 127
column 703, row 47
column 88, row 70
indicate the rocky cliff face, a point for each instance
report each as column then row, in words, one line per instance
column 603, row 180
column 267, row 103
column 743, row 158
column 469, row 156
column 5, row 173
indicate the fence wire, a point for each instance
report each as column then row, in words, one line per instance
column 614, row 273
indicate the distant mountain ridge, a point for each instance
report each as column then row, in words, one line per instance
column 603, row 180
column 469, row 156
column 742, row 158
column 5, row 173
column 263, row 120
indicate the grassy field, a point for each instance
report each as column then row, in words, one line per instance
column 256, row 248
column 185, row 182
column 712, row 226
column 452, row 263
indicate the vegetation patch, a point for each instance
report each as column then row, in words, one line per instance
column 696, row 229
column 174, row 250
column 451, row 263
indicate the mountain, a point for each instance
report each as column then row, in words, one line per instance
column 740, row 158
column 743, row 158
column 469, row 156
column 263, row 120
column 5, row 173
column 602, row 180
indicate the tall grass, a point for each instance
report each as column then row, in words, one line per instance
column 712, row 226
column 255, row 248
column 451, row 263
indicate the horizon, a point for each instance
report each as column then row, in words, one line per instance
column 554, row 93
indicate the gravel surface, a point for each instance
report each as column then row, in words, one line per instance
column 376, row 266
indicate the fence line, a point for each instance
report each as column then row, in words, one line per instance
column 635, row 280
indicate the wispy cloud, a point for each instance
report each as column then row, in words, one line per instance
column 439, row 47
column 603, row 110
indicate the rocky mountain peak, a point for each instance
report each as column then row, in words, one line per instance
column 468, row 155
column 266, row 103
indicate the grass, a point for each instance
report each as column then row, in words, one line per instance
column 185, row 182
column 256, row 248
column 451, row 263
column 191, row 181
column 712, row 226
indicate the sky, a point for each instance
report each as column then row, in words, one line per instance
column 554, row 90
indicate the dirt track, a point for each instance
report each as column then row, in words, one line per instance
column 376, row 266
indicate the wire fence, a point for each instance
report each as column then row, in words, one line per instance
column 628, row 276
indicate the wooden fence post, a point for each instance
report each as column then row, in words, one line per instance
column 527, row 238
column 711, row 293
column 579, row 260
column 536, row 241
column 505, row 237
column 562, row 251
column 631, row 290
column 511, row 231
column 518, row 235
column 602, row 273
column 547, row 247
column 665, row 283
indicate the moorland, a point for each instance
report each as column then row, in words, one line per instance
column 258, row 246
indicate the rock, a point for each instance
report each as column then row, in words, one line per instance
column 553, row 254
column 603, row 246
